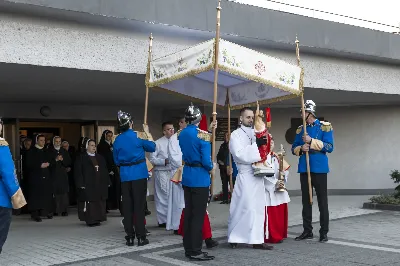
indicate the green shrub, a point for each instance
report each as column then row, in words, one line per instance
column 385, row 199
column 395, row 175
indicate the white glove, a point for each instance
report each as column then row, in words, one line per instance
column 111, row 173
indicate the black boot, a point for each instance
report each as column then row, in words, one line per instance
column 200, row 257
column 211, row 243
column 142, row 241
column 36, row 219
column 129, row 240
column 323, row 238
column 304, row 235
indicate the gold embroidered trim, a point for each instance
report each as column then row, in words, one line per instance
column 326, row 126
column 297, row 150
column 142, row 135
column 204, row 135
column 316, row 144
column 18, row 200
column 3, row 142
column 298, row 130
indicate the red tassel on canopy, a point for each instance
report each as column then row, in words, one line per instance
column 268, row 117
column 203, row 123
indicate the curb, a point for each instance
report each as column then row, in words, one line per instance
column 377, row 206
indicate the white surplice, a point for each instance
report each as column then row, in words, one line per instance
column 162, row 175
column 176, row 200
column 274, row 198
column 247, row 209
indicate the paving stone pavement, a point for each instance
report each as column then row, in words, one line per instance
column 65, row 240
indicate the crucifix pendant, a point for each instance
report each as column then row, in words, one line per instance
column 97, row 168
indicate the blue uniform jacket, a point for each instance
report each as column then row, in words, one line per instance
column 196, row 149
column 128, row 148
column 8, row 182
column 322, row 143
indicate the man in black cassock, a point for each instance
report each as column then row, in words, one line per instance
column 59, row 165
column 92, row 181
column 39, row 185
column 105, row 148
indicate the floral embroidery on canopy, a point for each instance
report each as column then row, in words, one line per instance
column 260, row 68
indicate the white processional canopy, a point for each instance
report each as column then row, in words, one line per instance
column 245, row 76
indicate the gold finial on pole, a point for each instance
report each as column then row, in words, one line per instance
column 214, row 114
column 146, row 102
column 310, row 192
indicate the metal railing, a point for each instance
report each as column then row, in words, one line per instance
column 320, row 14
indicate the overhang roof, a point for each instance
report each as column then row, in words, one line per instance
column 275, row 29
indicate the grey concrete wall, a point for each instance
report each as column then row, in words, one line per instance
column 358, row 164
column 242, row 20
column 50, row 43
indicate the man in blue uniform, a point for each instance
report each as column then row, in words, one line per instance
column 10, row 193
column 318, row 142
column 196, row 154
column 129, row 154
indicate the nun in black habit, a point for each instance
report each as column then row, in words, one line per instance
column 39, row 183
column 59, row 165
column 105, row 148
column 92, row 182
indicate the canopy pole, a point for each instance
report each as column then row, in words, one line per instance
column 146, row 101
column 230, row 157
column 310, row 192
column 214, row 114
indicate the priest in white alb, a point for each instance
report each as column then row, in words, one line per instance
column 176, row 199
column 247, row 209
column 162, row 173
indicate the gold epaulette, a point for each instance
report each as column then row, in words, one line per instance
column 326, row 126
column 204, row 135
column 298, row 130
column 3, row 142
column 142, row 135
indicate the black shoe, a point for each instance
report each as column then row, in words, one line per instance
column 129, row 241
column 143, row 241
column 201, row 257
column 37, row 219
column 211, row 243
column 94, row 225
column 64, row 214
column 304, row 235
column 263, row 246
column 162, row 225
column 176, row 232
column 147, row 232
column 55, row 214
column 323, row 238
column 50, row 216
column 233, row 245
column 147, row 213
column 224, row 202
